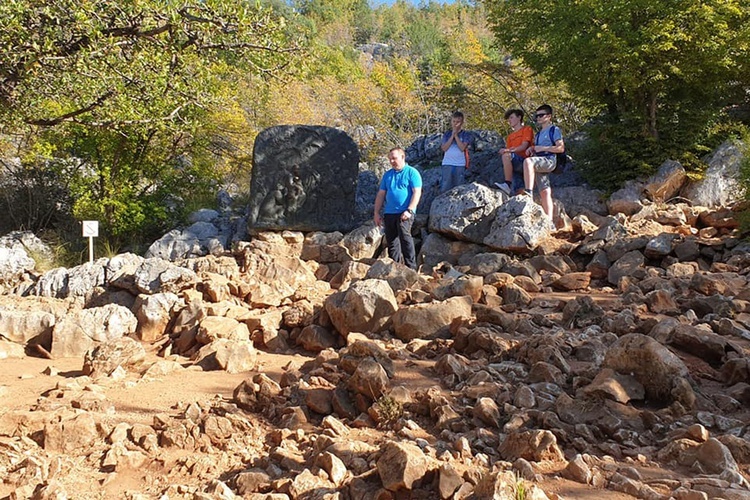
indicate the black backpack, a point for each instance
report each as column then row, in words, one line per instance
column 562, row 158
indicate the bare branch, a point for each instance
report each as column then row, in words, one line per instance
column 173, row 115
column 225, row 27
column 245, row 45
column 49, row 122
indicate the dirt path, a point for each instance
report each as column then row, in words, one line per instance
column 23, row 381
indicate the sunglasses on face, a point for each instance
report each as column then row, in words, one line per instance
column 539, row 115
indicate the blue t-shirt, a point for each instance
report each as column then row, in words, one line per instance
column 543, row 139
column 398, row 186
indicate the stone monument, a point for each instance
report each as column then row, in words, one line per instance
column 304, row 178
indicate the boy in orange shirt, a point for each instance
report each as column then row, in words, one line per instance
column 519, row 140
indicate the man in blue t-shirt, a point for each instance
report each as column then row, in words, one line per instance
column 400, row 188
column 542, row 158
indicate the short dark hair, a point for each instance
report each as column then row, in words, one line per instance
column 517, row 112
column 457, row 114
column 546, row 108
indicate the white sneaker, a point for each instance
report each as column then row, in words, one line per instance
column 503, row 187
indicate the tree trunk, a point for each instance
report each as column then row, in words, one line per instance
column 652, row 130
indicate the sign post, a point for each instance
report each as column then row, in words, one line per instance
column 91, row 231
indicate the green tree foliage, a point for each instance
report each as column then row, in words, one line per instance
column 661, row 71
column 157, row 102
column 433, row 58
column 133, row 90
column 338, row 22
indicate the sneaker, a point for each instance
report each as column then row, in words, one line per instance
column 504, row 187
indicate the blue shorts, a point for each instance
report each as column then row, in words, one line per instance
column 517, row 163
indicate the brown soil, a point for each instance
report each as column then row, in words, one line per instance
column 23, row 381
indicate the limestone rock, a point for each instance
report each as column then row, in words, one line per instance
column 230, row 355
column 398, row 276
column 436, row 249
column 369, row 379
column 364, row 241
column 105, row 358
column 333, row 466
column 465, row 213
column 53, row 283
column 461, row 286
column 251, row 481
column 200, row 238
column 666, row 183
column 11, row 350
column 581, row 200
column 350, row 272
column 306, row 484
column 720, row 184
column 572, row 281
column 497, row 484
column 620, row 387
column 256, row 393
column 154, row 313
column 487, row 411
column 315, row 338
column 74, row 435
column 519, row 226
column 535, row 445
column 213, row 328
column 364, row 307
column 401, row 466
column 627, row 265
column 319, row 400
column 423, row 320
column 627, row 200
column 649, row 362
column 14, row 258
column 487, row 263
column 87, row 328
column 701, row 342
column 450, row 480
column 578, row 470
column 25, row 326
column 155, row 275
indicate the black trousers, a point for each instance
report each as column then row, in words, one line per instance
column 399, row 240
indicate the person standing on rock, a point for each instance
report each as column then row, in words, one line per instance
column 514, row 152
column 400, row 189
column 455, row 154
column 542, row 157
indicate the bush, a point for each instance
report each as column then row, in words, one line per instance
column 617, row 150
column 35, row 195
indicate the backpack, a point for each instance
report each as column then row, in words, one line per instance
column 562, row 158
column 469, row 143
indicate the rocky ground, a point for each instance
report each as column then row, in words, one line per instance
column 613, row 362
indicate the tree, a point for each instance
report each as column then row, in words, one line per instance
column 128, row 88
column 660, row 70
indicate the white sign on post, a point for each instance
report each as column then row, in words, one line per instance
column 91, row 231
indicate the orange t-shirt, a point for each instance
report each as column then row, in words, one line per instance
column 518, row 137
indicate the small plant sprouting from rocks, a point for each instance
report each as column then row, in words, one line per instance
column 390, row 410
column 520, row 489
